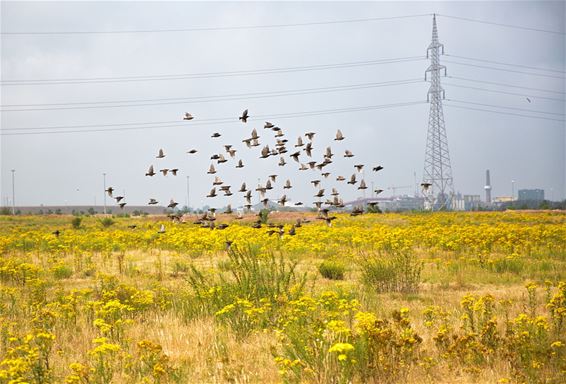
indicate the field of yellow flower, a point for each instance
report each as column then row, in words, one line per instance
column 390, row 298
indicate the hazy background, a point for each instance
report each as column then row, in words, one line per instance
column 66, row 168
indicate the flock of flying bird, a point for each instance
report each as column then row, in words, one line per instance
column 300, row 152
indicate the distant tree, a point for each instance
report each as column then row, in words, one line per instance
column 91, row 211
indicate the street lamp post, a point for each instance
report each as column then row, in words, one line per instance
column 104, row 178
column 13, row 193
column 188, row 196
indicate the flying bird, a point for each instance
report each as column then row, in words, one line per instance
column 211, row 170
column 359, row 167
column 215, row 134
column 425, row 186
column 265, row 152
column 212, row 193
column 362, row 185
column 320, row 193
column 282, row 162
column 174, row 171
column 243, row 188
column 340, row 178
column 118, row 198
column 348, row 153
column 378, row 168
column 122, row 205
column 240, row 164
column 150, row 171
column 160, row 155
column 109, row 190
column 244, row 116
column 287, row 184
column 529, row 100
column 310, row 135
column 308, row 149
column 188, row 116
column 299, row 142
column 164, row 171
column 221, row 159
column 192, row 151
column 352, row 179
column 217, row 181
column 339, row 136
column 172, row 204
column 268, row 125
column 254, row 134
column 152, row 202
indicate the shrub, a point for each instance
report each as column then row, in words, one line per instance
column 76, row 222
column 263, row 215
column 106, row 222
column 62, row 271
column 400, row 271
column 250, row 279
column 332, row 269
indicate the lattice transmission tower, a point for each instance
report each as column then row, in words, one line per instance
column 437, row 169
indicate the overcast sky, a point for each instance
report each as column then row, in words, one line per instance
column 66, row 168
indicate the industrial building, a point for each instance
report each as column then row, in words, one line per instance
column 531, row 194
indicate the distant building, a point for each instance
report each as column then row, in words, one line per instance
column 531, row 194
column 502, row 199
column 472, row 202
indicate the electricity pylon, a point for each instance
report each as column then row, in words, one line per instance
column 437, row 169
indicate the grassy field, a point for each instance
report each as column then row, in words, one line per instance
column 389, row 298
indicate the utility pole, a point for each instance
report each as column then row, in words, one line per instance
column 13, row 193
column 437, row 169
column 104, row 178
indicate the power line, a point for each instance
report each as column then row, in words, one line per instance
column 509, row 64
column 233, row 120
column 502, row 25
column 504, row 107
column 503, row 113
column 505, row 85
column 505, row 93
column 197, row 99
column 227, row 28
column 205, row 75
column 504, row 70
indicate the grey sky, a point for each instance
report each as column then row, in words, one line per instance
column 67, row 168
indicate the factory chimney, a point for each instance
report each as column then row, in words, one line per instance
column 487, row 188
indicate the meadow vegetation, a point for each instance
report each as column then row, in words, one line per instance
column 378, row 298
